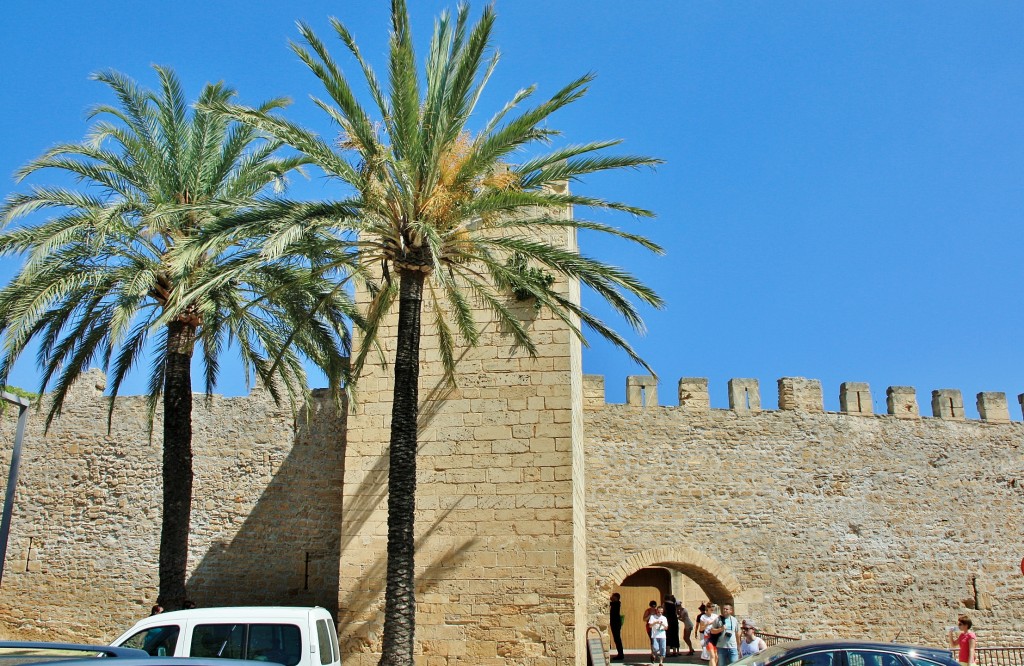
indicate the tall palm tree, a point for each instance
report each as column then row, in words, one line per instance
column 100, row 286
column 435, row 215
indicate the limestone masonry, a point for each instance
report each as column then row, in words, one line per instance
column 535, row 500
column 813, row 522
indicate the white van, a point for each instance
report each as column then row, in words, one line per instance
column 291, row 636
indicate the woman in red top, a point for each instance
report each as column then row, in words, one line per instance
column 967, row 642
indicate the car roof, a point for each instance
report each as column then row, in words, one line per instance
column 796, row 647
column 848, row 643
column 213, row 612
column 161, row 661
column 42, row 646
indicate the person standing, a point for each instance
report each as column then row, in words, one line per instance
column 684, row 617
column 710, row 617
column 646, row 618
column 658, row 624
column 726, row 628
column 702, row 612
column 966, row 641
column 672, row 635
column 615, row 623
column 750, row 642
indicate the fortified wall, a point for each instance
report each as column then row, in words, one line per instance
column 293, row 511
column 82, row 558
column 814, row 523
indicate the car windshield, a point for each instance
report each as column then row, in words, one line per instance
column 762, row 658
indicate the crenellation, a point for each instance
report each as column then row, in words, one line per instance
column 948, row 404
column 901, row 402
column 642, row 391
column 744, row 395
column 800, row 394
column 992, row 407
column 855, row 398
column 693, row 394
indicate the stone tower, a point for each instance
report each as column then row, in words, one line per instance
column 500, row 538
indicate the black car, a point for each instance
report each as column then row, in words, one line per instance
column 20, row 653
column 847, row 653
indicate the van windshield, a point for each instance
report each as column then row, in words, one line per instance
column 157, row 641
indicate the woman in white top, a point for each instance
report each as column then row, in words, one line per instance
column 751, row 643
column 709, row 648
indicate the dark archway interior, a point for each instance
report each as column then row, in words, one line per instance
column 712, row 587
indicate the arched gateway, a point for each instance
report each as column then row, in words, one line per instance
column 655, row 573
column 712, row 576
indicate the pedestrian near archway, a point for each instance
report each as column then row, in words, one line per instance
column 966, row 641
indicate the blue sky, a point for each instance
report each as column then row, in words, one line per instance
column 843, row 192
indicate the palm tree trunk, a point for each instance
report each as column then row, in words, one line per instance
column 400, row 599
column 177, row 469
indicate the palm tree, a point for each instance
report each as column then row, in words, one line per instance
column 435, row 215
column 100, row 283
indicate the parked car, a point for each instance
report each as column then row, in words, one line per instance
column 15, row 653
column 292, row 636
column 847, row 653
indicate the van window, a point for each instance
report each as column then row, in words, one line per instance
column 157, row 641
column 280, row 643
column 218, row 641
column 334, row 643
column 323, row 637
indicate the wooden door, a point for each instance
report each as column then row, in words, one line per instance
column 637, row 592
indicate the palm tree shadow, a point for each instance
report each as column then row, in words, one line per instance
column 287, row 550
column 361, row 636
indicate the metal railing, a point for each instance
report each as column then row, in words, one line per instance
column 997, row 656
column 774, row 639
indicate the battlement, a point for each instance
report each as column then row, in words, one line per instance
column 803, row 395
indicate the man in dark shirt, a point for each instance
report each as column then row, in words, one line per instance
column 615, row 622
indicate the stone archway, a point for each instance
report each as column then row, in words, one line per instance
column 715, row 579
column 711, row 575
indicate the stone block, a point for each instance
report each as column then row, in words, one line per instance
column 693, row 394
column 901, row 402
column 593, row 392
column 642, row 391
column 948, row 404
column 800, row 394
column 744, row 395
column 992, row 407
column 855, row 398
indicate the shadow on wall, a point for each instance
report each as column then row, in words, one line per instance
column 287, row 550
column 360, row 625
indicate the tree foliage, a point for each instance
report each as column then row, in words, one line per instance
column 101, row 285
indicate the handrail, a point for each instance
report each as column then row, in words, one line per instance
column 998, row 656
column 774, row 639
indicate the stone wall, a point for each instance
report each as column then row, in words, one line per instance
column 82, row 558
column 500, row 544
column 815, row 523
